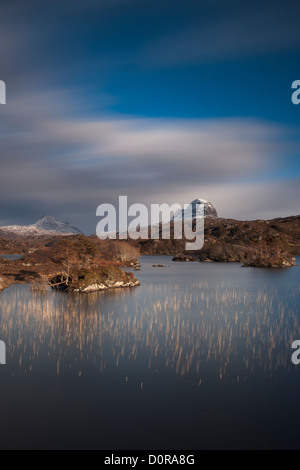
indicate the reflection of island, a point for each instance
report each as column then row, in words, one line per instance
column 235, row 331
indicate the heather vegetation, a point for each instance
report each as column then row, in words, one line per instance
column 69, row 262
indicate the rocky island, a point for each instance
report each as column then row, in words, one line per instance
column 92, row 280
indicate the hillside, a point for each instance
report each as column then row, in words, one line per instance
column 253, row 243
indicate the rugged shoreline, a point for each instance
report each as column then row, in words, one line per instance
column 3, row 284
column 274, row 263
column 85, row 264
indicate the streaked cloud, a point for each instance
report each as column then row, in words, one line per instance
column 242, row 29
column 54, row 163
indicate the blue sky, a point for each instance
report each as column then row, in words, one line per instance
column 163, row 101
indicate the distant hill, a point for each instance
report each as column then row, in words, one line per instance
column 46, row 226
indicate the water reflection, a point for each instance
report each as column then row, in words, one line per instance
column 210, row 331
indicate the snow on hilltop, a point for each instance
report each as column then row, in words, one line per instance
column 46, row 226
column 190, row 212
column 50, row 224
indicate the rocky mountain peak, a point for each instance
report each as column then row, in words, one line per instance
column 51, row 224
column 190, row 212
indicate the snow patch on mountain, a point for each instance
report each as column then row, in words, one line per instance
column 198, row 206
column 46, row 226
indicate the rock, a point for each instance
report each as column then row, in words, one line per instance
column 185, row 259
column 3, row 284
column 271, row 263
column 93, row 280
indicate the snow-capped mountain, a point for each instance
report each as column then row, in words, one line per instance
column 46, row 226
column 196, row 207
column 50, row 224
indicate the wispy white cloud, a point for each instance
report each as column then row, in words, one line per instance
column 204, row 149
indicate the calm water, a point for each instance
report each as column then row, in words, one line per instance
column 12, row 257
column 197, row 357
